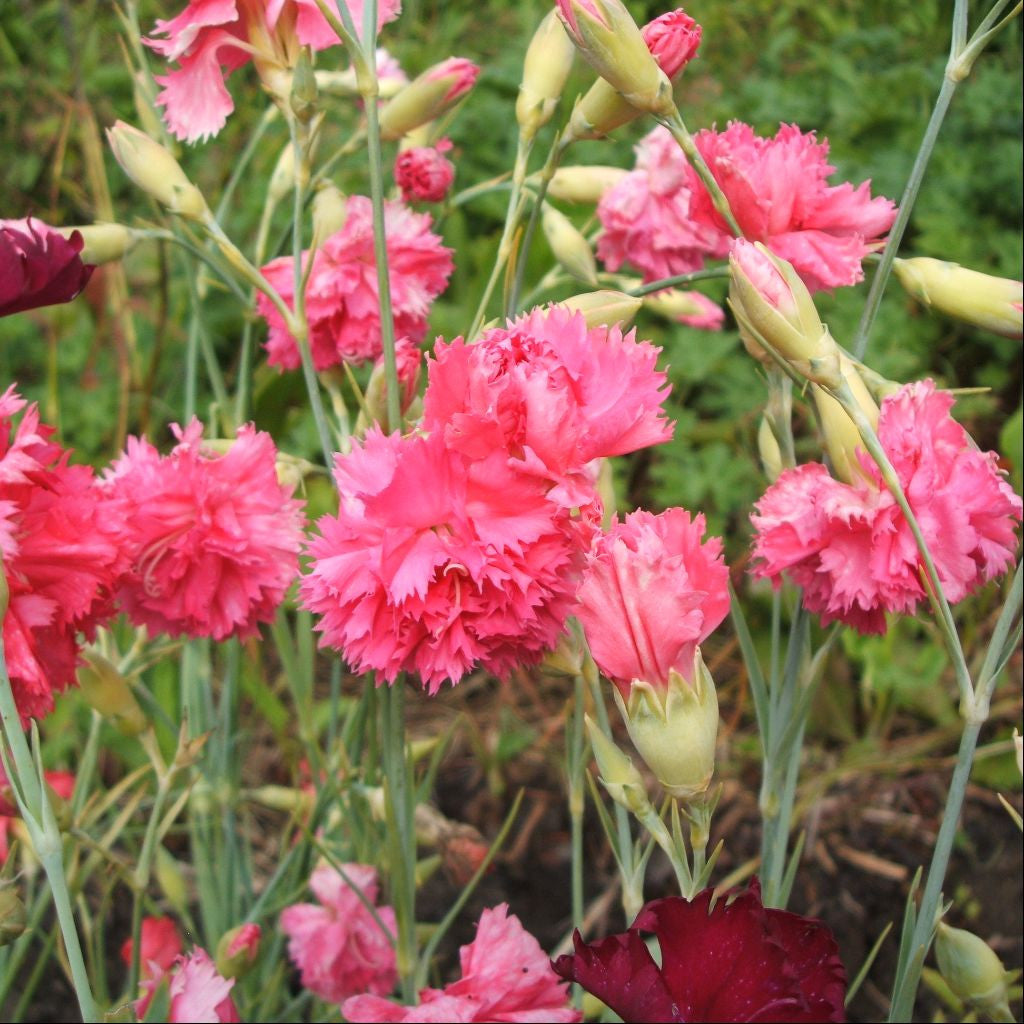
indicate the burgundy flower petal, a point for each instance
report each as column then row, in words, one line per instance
column 38, row 266
column 621, row 972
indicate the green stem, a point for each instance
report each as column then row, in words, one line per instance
column 576, row 752
column 671, row 282
column 30, row 794
column 679, row 131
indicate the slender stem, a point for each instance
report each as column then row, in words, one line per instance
column 680, row 133
column 670, row 282
column 913, row 186
column 576, row 746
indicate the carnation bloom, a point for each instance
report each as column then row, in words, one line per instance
column 213, row 538
column 849, row 545
column 160, row 946
column 436, row 561
column 424, row 174
column 734, row 961
column 650, row 594
column 211, row 38
column 505, row 977
column 673, row 39
column 552, row 393
column 61, row 548
column 38, row 266
column 342, row 304
column 777, row 193
column 339, row 947
column 197, row 992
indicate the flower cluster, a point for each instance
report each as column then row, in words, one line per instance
column 505, row 977
column 342, row 304
column 463, row 545
column 850, row 546
column 661, row 219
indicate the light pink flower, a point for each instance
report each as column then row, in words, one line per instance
column 764, row 276
column 198, row 994
column 339, row 947
column 850, row 547
column 160, row 946
column 213, row 538
column 38, row 266
column 342, row 304
column 424, row 174
column 211, row 38
column 647, row 220
column 552, row 393
column 506, row 977
column 673, row 39
column 61, row 548
column 651, row 593
column 436, row 562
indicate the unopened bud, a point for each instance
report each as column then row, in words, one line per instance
column 604, row 308
column 330, row 211
column 583, row 184
column 686, row 307
column 427, row 97
column 993, row 303
column 841, row 436
column 674, row 728
column 1018, row 745
column 408, row 365
column 769, row 450
column 171, row 879
column 569, row 246
column 303, row 96
column 546, row 67
column 623, row 783
column 155, row 171
column 104, row 242
column 237, row 950
column 13, row 916
column 565, row 658
column 973, row 971
column 282, row 179
column 610, row 41
column 108, row 692
column 283, row 798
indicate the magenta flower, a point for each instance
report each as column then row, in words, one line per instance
column 424, row 174
column 341, row 297
column 849, row 545
column 437, row 562
column 197, row 992
column 61, row 547
column 211, row 38
column 651, row 592
column 338, row 945
column 673, row 39
column 552, row 393
column 734, row 961
column 213, row 538
column 38, row 266
column 505, row 977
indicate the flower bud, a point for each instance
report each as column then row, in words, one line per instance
column 687, row 307
column 108, row 692
column 13, row 916
column 237, row 950
column 155, row 171
column 993, row 303
column 674, row 728
column 565, row 658
column 604, row 308
column 408, row 364
column 771, row 303
column 1018, row 744
column 283, row 798
column 769, row 450
column 610, row 41
column 973, row 971
column 583, row 184
column 302, row 97
column 427, row 97
column 841, row 436
column 104, row 242
column 282, row 178
column 624, row 784
column 569, row 246
column 171, row 879
column 330, row 211
column 546, row 67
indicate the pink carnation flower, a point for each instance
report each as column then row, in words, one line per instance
column 505, row 977
column 673, row 39
column 663, row 221
column 61, row 548
column 342, row 304
column 424, row 174
column 436, row 562
column 160, row 946
column 38, row 266
column 197, row 992
column 850, row 547
column 651, row 593
column 552, row 393
column 213, row 538
column 338, row 945
column 211, row 38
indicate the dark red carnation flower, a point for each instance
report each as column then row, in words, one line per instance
column 38, row 266
column 735, row 961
